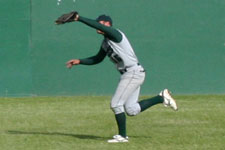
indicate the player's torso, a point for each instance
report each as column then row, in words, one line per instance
column 121, row 54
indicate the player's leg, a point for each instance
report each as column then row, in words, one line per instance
column 128, row 84
column 133, row 107
column 163, row 97
column 147, row 103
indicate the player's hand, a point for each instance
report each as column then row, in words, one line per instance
column 76, row 17
column 72, row 62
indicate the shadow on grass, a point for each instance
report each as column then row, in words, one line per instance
column 80, row 136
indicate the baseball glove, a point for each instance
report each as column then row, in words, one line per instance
column 65, row 18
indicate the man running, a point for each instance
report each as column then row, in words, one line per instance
column 116, row 46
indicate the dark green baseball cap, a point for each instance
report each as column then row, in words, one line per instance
column 104, row 18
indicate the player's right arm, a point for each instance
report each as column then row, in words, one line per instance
column 88, row 61
column 110, row 32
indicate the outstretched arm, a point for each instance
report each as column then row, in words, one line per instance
column 109, row 32
column 88, row 61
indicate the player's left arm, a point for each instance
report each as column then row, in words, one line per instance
column 99, row 57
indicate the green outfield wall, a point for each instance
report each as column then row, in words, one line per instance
column 181, row 44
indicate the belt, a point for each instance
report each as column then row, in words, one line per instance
column 122, row 71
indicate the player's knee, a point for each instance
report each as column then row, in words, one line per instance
column 117, row 109
column 131, row 111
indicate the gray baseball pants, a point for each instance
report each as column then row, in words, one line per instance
column 127, row 93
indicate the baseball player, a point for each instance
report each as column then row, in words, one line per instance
column 116, row 46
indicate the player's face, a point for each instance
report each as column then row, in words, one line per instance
column 106, row 23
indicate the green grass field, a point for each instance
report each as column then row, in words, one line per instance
column 85, row 123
